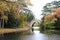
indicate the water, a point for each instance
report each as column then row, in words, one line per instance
column 37, row 35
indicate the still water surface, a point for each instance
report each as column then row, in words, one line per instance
column 37, row 35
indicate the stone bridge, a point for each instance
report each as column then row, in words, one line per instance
column 32, row 23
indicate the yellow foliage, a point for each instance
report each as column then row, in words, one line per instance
column 4, row 6
column 5, row 17
column 10, row 7
column 23, row 16
column 22, row 19
column 22, row 24
column 28, row 2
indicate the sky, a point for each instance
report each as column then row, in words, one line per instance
column 38, row 6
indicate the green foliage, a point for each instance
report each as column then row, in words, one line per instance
column 12, row 22
column 49, row 6
column 26, row 16
column 36, row 25
column 57, row 23
column 48, row 25
column 30, row 16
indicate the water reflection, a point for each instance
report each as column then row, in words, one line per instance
column 37, row 35
column 11, row 36
column 51, row 32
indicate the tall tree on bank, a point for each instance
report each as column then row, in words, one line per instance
column 30, row 16
column 47, row 10
column 10, row 11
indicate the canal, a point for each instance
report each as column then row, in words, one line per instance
column 36, row 35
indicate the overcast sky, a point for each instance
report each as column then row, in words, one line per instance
column 38, row 6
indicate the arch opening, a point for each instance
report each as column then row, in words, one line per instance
column 35, row 26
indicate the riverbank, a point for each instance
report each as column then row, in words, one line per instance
column 9, row 30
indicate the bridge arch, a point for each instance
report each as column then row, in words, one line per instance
column 33, row 22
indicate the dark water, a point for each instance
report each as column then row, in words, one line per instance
column 37, row 35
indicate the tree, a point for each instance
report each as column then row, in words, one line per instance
column 48, row 9
column 48, row 21
column 10, row 12
column 49, row 6
column 57, row 16
column 30, row 16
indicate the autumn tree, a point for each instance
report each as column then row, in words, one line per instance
column 57, row 16
column 52, row 19
column 51, row 12
column 9, row 11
